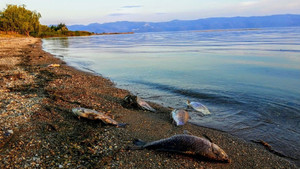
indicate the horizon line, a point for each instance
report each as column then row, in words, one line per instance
column 184, row 19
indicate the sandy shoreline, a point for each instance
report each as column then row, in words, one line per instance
column 37, row 128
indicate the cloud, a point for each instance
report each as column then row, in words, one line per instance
column 132, row 6
column 118, row 14
column 126, row 11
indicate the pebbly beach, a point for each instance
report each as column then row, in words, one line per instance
column 39, row 130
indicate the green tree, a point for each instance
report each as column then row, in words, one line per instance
column 62, row 27
column 59, row 27
column 18, row 19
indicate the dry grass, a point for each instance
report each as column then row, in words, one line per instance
column 10, row 34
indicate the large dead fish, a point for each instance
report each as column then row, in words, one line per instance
column 186, row 144
column 179, row 116
column 136, row 102
column 95, row 115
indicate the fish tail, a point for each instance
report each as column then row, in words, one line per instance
column 139, row 142
column 122, row 125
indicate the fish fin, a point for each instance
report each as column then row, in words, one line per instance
column 121, row 125
column 139, row 142
column 92, row 116
column 208, row 138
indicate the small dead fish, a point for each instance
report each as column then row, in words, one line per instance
column 144, row 104
column 95, row 115
column 131, row 101
column 179, row 116
column 187, row 144
column 198, row 107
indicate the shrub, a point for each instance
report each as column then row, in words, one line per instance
column 18, row 19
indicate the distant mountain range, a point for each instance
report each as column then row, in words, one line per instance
column 288, row 20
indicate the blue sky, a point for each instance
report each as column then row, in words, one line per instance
column 100, row 11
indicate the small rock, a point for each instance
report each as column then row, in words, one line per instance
column 9, row 132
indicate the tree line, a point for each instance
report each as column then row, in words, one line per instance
column 20, row 20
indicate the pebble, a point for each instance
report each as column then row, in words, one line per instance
column 9, row 132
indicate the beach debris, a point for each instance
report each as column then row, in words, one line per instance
column 9, row 132
column 179, row 116
column 54, row 65
column 265, row 144
column 132, row 101
column 198, row 107
column 186, row 144
column 269, row 148
column 95, row 115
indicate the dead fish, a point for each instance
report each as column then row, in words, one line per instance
column 179, row 116
column 186, row 144
column 198, row 107
column 132, row 101
column 144, row 104
column 95, row 115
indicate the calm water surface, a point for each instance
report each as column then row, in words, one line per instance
column 249, row 80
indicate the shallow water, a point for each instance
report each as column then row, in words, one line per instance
column 249, row 80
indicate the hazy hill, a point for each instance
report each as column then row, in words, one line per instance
column 287, row 20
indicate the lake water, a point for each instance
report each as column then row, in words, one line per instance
column 249, row 80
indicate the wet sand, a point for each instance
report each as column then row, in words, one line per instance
column 38, row 129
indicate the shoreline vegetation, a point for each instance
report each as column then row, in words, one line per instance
column 18, row 20
column 68, row 34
